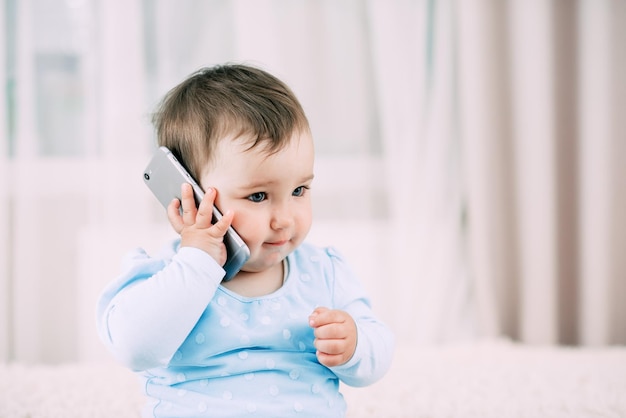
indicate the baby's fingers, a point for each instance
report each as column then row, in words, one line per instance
column 332, row 360
column 189, row 204
column 204, row 216
column 222, row 225
column 173, row 215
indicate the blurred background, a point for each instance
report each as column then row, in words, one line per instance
column 470, row 155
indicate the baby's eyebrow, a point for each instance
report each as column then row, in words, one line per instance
column 307, row 178
column 262, row 184
column 256, row 185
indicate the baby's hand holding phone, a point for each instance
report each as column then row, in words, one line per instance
column 164, row 175
column 194, row 225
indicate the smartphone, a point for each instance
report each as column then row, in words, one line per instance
column 164, row 175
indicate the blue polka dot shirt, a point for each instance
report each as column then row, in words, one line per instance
column 204, row 351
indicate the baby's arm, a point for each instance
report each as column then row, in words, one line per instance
column 353, row 342
column 148, row 313
column 372, row 356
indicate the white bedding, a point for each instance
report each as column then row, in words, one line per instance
column 481, row 379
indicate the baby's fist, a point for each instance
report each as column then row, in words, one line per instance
column 335, row 336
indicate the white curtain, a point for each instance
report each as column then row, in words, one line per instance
column 468, row 155
column 414, row 45
column 543, row 99
column 5, row 303
column 84, row 78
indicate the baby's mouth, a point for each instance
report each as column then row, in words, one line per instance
column 279, row 243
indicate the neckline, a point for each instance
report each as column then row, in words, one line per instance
column 276, row 293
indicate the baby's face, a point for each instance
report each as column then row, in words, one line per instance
column 269, row 194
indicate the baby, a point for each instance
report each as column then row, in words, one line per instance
column 276, row 339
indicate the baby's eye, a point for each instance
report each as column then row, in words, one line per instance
column 257, row 197
column 299, row 191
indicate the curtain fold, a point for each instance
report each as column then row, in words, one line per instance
column 542, row 105
column 414, row 50
column 602, row 221
column 535, row 164
column 5, row 255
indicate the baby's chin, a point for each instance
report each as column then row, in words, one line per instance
column 259, row 266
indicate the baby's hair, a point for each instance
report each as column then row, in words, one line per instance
column 226, row 100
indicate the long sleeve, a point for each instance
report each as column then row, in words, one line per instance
column 375, row 341
column 145, row 315
column 372, row 358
